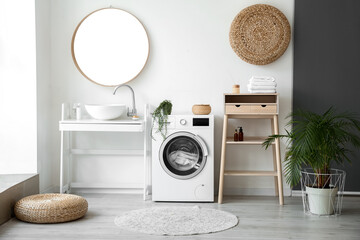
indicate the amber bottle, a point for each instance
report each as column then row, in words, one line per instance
column 241, row 134
column 236, row 136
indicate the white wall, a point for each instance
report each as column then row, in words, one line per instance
column 190, row 62
column 47, row 161
column 18, row 142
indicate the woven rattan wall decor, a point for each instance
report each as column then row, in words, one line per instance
column 260, row 34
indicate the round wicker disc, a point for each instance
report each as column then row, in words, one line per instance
column 260, row 34
column 50, row 208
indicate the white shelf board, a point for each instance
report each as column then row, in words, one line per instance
column 96, row 121
column 106, row 152
column 100, row 128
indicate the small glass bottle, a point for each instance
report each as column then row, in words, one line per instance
column 241, row 134
column 236, row 136
column 77, row 111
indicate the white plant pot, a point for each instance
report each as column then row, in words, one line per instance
column 321, row 200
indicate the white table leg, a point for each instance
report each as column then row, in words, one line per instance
column 147, row 160
column 61, row 161
column 145, row 165
column 69, row 162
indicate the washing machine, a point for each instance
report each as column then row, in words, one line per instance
column 183, row 162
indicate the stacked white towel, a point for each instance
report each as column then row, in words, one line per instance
column 262, row 84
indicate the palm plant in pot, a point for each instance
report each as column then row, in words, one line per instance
column 318, row 141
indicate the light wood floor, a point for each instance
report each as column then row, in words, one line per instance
column 260, row 218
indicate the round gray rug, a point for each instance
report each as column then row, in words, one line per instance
column 176, row 221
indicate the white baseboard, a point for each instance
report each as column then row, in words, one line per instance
column 108, row 190
column 227, row 191
column 55, row 189
column 51, row 189
column 298, row 193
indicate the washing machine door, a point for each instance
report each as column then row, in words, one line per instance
column 183, row 155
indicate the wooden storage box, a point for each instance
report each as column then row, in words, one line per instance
column 251, row 103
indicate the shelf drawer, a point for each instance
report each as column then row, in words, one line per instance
column 263, row 109
column 233, row 109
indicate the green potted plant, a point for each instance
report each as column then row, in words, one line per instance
column 317, row 141
column 160, row 116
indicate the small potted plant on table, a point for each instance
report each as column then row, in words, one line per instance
column 160, row 116
column 317, row 141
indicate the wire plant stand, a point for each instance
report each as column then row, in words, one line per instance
column 326, row 200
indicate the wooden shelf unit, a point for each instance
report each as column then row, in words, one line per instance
column 240, row 106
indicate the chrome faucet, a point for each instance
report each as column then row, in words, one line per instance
column 133, row 111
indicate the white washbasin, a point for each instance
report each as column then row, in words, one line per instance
column 105, row 111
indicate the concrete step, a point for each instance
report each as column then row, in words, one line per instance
column 13, row 187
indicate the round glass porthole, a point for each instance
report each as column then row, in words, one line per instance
column 182, row 155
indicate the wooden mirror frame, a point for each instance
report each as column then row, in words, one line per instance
column 97, row 81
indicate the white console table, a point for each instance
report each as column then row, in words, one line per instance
column 68, row 125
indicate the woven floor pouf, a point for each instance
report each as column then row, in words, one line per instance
column 51, row 208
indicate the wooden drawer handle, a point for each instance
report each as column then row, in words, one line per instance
column 237, row 105
column 263, row 105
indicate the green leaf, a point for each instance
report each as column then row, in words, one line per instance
column 317, row 140
column 160, row 117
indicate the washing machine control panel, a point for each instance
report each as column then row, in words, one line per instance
column 189, row 122
column 200, row 122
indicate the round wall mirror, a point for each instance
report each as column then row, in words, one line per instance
column 110, row 47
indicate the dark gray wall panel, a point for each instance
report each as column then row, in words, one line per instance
column 327, row 62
